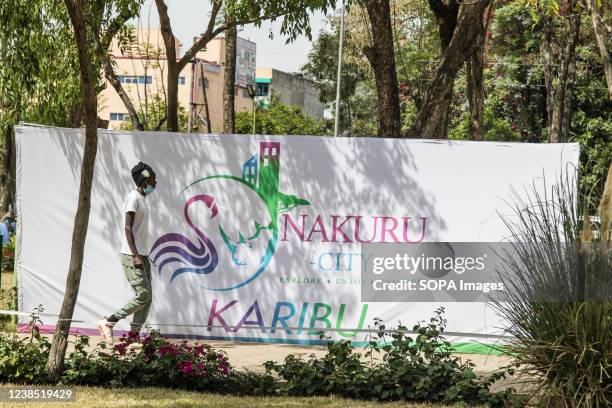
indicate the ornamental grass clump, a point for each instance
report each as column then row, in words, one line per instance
column 558, row 304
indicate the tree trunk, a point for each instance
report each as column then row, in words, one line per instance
column 229, row 79
column 173, row 68
column 381, row 56
column 475, row 83
column 6, row 178
column 567, row 57
column 57, row 352
column 172, row 108
column 601, row 42
column 547, row 65
column 567, row 103
column 475, row 91
column 432, row 120
column 205, row 95
column 446, row 16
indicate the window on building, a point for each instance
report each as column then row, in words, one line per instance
column 133, row 79
column 128, row 79
column 119, row 117
column 145, row 79
column 262, row 90
column 181, row 80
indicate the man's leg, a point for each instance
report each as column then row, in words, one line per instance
column 140, row 316
column 141, row 285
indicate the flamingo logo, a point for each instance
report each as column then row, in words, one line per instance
column 202, row 257
column 233, row 224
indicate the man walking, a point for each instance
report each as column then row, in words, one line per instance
column 135, row 253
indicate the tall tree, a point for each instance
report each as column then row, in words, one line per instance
column 381, row 56
column 89, row 22
column 460, row 29
column 295, row 15
column 599, row 32
column 229, row 79
column 560, row 36
column 475, row 81
column 38, row 64
column 322, row 65
column 78, row 17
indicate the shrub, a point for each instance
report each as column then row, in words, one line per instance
column 8, row 255
column 419, row 369
column 148, row 360
column 23, row 360
column 279, row 119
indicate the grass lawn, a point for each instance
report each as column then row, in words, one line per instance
column 161, row 397
column 7, row 280
column 5, row 302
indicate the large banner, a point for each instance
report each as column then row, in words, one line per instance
column 258, row 238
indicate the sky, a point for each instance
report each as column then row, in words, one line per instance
column 189, row 18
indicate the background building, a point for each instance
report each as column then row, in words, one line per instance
column 291, row 89
column 142, row 69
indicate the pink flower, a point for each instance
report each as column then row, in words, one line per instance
column 186, row 367
column 120, row 348
column 168, row 349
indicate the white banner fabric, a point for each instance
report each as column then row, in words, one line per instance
column 253, row 232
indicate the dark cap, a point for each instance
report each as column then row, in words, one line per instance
column 141, row 172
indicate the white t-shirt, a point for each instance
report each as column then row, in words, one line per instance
column 137, row 203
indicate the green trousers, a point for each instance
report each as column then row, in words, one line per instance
column 140, row 280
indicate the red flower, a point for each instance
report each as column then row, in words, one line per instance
column 224, row 368
column 186, row 367
column 120, row 348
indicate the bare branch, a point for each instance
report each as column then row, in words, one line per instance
column 208, row 36
column 109, row 74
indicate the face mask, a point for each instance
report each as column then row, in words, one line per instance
column 148, row 189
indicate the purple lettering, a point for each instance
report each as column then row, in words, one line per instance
column 254, row 307
column 216, row 314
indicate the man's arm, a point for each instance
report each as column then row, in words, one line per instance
column 129, row 234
